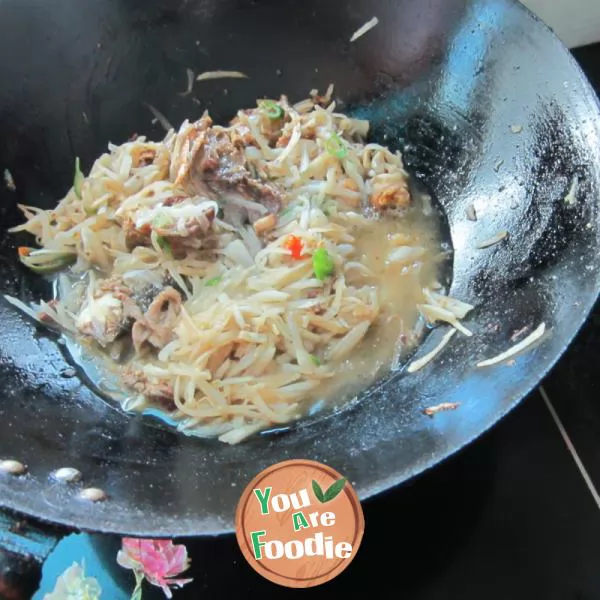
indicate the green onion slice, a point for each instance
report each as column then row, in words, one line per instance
column 335, row 146
column 322, row 264
column 78, row 179
column 273, row 110
column 164, row 244
column 44, row 261
column 212, row 282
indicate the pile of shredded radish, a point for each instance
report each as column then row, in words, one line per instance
column 270, row 306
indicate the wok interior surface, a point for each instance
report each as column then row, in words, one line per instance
column 487, row 106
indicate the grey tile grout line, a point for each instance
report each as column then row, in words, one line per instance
column 570, row 446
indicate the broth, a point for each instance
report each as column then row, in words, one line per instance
column 399, row 328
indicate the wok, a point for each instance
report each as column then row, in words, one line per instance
column 489, row 109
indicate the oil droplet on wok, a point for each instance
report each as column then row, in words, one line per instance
column 14, row 467
column 93, row 494
column 67, row 475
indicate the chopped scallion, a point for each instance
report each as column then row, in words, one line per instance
column 78, row 179
column 164, row 244
column 335, row 146
column 315, row 360
column 273, row 110
column 44, row 261
column 322, row 264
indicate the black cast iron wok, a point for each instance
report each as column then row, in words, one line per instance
column 488, row 107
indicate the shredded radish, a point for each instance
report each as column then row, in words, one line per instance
column 425, row 360
column 435, row 313
column 234, row 314
column 495, row 239
column 571, row 197
column 9, row 182
column 190, row 83
column 296, row 135
column 364, row 29
column 160, row 117
column 240, row 202
column 522, row 345
column 19, row 304
column 221, row 75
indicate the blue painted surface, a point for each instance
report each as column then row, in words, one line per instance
column 77, row 548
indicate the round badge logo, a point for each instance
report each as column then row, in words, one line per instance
column 299, row 523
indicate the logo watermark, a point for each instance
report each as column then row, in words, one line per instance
column 299, row 523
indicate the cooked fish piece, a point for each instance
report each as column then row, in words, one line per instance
column 156, row 326
column 109, row 311
column 206, row 161
column 102, row 318
column 180, row 220
column 390, row 190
